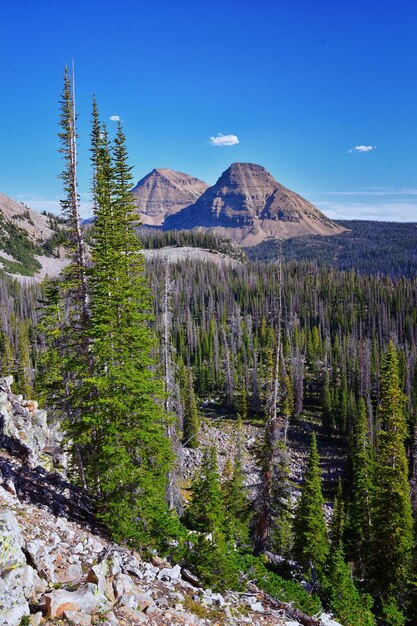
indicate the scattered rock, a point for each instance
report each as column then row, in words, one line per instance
column 86, row 599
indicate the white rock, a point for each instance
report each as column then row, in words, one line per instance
column 170, row 574
column 77, row 619
column 11, row 542
column 27, row 579
column 97, row 575
column 123, row 584
column 13, row 605
column 257, row 606
column 87, row 599
column 218, row 599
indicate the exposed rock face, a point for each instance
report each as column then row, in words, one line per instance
column 164, row 192
column 249, row 205
column 17, row 220
column 25, row 430
column 34, row 224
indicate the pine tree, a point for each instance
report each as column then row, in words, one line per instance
column 191, row 420
column 342, row 595
column 359, row 510
column 129, row 453
column 326, row 403
column 236, row 502
column 76, row 272
column 338, row 519
column 206, row 511
column 392, row 525
column 310, row 535
column 212, row 554
column 6, row 355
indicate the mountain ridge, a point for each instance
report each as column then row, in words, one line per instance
column 164, row 192
column 249, row 205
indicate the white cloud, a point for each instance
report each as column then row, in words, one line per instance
column 362, row 149
column 115, row 118
column 224, row 140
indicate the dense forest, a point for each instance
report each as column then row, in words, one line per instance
column 388, row 248
column 136, row 361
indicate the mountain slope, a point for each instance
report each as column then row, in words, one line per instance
column 58, row 565
column 249, row 205
column 26, row 240
column 164, row 192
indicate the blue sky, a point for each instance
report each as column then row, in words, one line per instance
column 301, row 84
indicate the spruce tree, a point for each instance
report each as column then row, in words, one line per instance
column 338, row 519
column 122, row 421
column 310, row 534
column 206, row 511
column 392, row 524
column 76, row 272
column 24, row 368
column 326, row 403
column 236, row 503
column 212, row 554
column 6, row 355
column 344, row 599
column 191, row 420
column 359, row 510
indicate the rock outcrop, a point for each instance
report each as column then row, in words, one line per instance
column 36, row 226
column 164, row 192
column 248, row 205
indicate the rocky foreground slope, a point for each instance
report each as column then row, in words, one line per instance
column 58, row 566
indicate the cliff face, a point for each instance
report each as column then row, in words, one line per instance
column 58, row 563
column 248, row 205
column 164, row 192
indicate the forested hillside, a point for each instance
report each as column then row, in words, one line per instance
column 335, row 330
column 368, row 247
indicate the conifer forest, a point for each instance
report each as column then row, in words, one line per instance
column 308, row 371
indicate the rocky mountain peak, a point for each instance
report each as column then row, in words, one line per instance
column 164, row 192
column 249, row 205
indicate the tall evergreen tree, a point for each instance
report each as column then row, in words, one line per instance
column 338, row 519
column 392, row 524
column 206, row 511
column 212, row 553
column 310, row 534
column 191, row 420
column 359, row 510
column 6, row 355
column 122, row 421
column 76, row 273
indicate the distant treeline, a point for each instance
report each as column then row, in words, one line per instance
column 154, row 239
column 388, row 248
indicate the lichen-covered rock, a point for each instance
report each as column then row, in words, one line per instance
column 27, row 579
column 13, row 604
column 11, row 542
